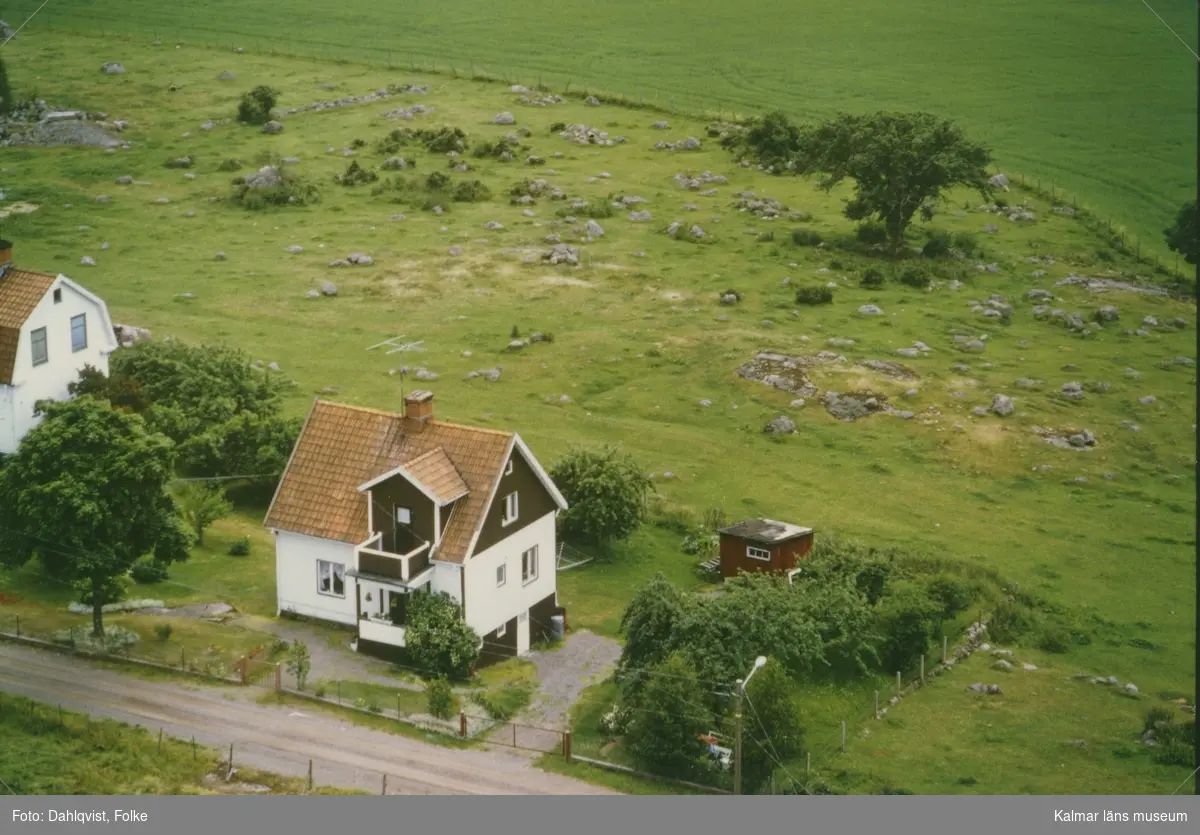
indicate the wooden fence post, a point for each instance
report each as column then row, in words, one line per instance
column 397, row 705
column 876, row 704
column 462, row 723
column 310, row 782
column 897, row 682
column 807, row 763
column 339, row 691
column 514, row 724
column 19, row 618
column 843, row 736
column 278, row 678
column 567, row 745
column 193, row 748
column 160, row 732
column 245, row 665
column 945, row 642
column 922, row 668
column 182, row 659
column 384, row 792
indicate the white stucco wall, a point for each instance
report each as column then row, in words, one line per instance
column 296, row 559
column 489, row 606
column 50, row 380
column 447, row 577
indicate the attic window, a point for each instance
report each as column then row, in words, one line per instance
column 403, row 516
column 508, row 468
column 57, row 295
column 511, row 508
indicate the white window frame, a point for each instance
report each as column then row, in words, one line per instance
column 508, row 468
column 501, row 574
column 33, row 342
column 334, row 569
column 404, row 516
column 512, row 509
column 529, row 565
column 502, row 630
column 758, row 553
column 82, row 320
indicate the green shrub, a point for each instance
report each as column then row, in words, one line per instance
column 163, row 631
column 374, row 707
column 1156, row 716
column 356, row 175
column 766, row 237
column 594, row 209
column 915, row 276
column 240, row 547
column 806, row 237
column 440, row 698
column 474, row 191
column 1105, row 255
column 938, row 245
column 437, row 181
column 319, row 691
column 814, row 295
column 871, row 233
column 558, row 127
column 1054, row 639
column 835, row 264
column 1001, row 203
column 231, row 164
column 255, row 106
column 148, row 571
column 289, row 190
column 1011, row 620
column 966, row 242
column 495, row 149
column 872, row 280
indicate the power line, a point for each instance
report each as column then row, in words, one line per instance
column 26, row 23
column 1185, row 779
column 1172, row 31
column 228, row 477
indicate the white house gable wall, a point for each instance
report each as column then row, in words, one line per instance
column 490, row 605
column 301, row 563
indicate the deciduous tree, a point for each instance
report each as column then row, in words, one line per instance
column 773, row 733
column 437, row 638
column 1184, row 236
column 664, row 733
column 86, row 493
column 605, row 492
column 649, row 625
column 202, row 504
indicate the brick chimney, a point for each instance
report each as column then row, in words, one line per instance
column 418, row 405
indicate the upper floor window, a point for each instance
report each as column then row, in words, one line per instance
column 404, row 516
column 511, row 508
column 57, row 295
column 37, row 341
column 501, row 572
column 79, row 332
column 529, row 565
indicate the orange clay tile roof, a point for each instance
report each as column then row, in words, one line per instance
column 438, row 475
column 342, row 447
column 20, row 292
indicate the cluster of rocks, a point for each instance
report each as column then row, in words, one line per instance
column 689, row 144
column 489, row 374
column 519, row 344
column 112, row 68
column 352, row 260
column 584, row 135
column 266, row 177
column 996, row 307
column 1103, row 285
column 561, row 254
column 854, row 405
column 505, row 118
column 526, row 192
column 894, row 370
column 784, row 372
column 1129, row 688
column 987, row 268
column 1066, row 439
column 986, row 689
column 367, row 98
column 408, row 113
column 970, row 345
column 695, row 182
column 781, row 425
column 764, row 207
column 1073, row 322
column 1013, row 213
column 676, row 230
column 395, row 164
column 918, row 349
column 543, row 100
column 129, row 334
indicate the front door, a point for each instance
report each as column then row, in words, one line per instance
column 397, row 607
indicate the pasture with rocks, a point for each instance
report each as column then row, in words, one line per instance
column 1028, row 408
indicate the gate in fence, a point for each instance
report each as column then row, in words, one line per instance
column 531, row 738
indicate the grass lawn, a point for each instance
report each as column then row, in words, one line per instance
column 640, row 339
column 50, row 752
column 1118, row 129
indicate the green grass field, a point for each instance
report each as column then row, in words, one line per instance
column 637, row 341
column 47, row 751
column 1099, row 99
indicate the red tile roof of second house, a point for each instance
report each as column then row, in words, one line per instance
column 20, row 293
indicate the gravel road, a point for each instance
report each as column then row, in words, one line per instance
column 277, row 738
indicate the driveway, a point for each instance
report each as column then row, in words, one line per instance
column 277, row 738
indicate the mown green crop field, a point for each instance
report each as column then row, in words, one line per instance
column 645, row 355
column 1097, row 98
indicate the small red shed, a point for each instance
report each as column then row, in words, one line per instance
column 763, row 545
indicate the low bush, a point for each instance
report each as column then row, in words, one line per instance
column 163, row 631
column 806, row 237
column 966, row 242
column 473, row 191
column 872, row 280
column 558, row 127
column 915, row 276
column 814, row 295
column 596, row 209
column 240, row 547
column 288, row 190
column 1011, row 620
column 356, row 175
column 495, row 150
column 440, row 698
column 766, row 237
column 256, row 105
column 1054, row 639
column 231, row 164
column 938, row 245
column 148, row 571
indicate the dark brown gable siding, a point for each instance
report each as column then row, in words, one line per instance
column 399, row 492
column 534, row 502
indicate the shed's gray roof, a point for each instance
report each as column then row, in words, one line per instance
column 767, row 531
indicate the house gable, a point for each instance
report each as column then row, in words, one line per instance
column 536, row 496
column 386, row 498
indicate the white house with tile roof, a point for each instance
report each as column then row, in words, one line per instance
column 375, row 506
column 50, row 328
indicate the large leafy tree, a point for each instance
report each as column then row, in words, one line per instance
column 86, row 494
column 773, row 732
column 1184, row 236
column 901, row 164
column 910, row 618
column 649, row 625
column 605, row 492
column 664, row 733
column 436, row 637
column 202, row 504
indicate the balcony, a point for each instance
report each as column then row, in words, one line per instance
column 381, row 631
column 402, row 567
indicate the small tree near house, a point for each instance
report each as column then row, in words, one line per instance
column 773, row 731
column 664, row 734
column 437, row 638
column 299, row 663
column 201, row 504
column 605, row 492
column 256, row 105
column 86, row 494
